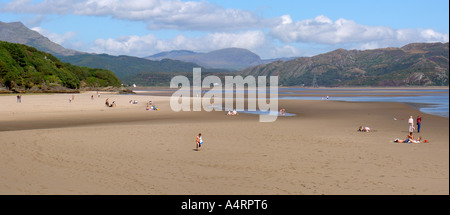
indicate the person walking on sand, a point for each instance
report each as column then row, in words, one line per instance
column 199, row 141
column 419, row 123
column 411, row 124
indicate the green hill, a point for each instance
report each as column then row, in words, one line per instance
column 138, row 70
column 24, row 68
column 418, row 64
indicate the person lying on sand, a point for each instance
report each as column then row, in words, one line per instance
column 409, row 139
column 364, row 129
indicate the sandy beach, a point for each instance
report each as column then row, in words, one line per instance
column 49, row 145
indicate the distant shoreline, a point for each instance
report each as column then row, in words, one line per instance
column 64, row 91
column 144, row 88
column 284, row 87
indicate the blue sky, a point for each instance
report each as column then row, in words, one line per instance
column 269, row 28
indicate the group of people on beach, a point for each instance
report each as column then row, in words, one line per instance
column 232, row 113
column 410, row 138
column 151, row 107
column 411, row 124
column 107, row 104
column 364, row 129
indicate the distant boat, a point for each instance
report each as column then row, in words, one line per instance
column 134, row 85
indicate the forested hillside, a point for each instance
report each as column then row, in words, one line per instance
column 24, row 68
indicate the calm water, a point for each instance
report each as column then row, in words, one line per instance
column 431, row 101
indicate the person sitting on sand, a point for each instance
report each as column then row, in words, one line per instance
column 361, row 129
column 107, row 102
column 199, row 141
column 147, row 108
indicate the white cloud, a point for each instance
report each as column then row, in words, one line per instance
column 281, row 51
column 158, row 14
column 149, row 44
column 323, row 30
column 36, row 20
column 61, row 39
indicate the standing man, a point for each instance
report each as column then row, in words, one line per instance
column 419, row 122
column 411, row 124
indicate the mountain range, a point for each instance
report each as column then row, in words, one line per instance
column 229, row 58
column 414, row 64
column 418, row 64
column 17, row 32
